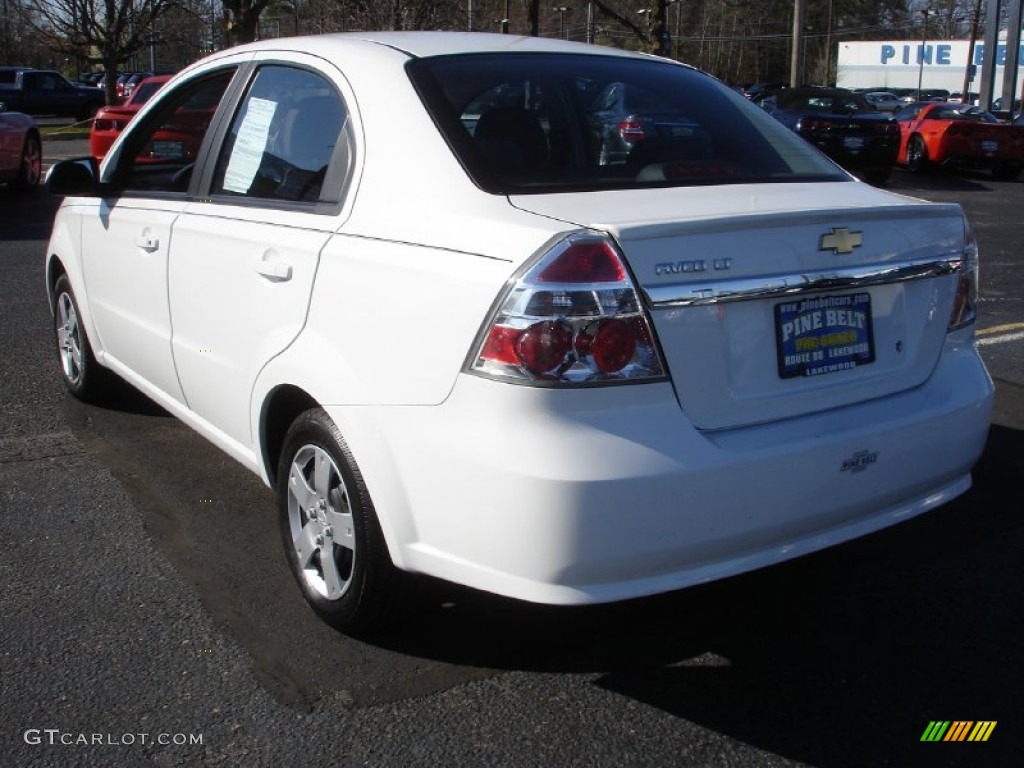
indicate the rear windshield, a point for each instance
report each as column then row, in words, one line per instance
column 962, row 112
column 527, row 122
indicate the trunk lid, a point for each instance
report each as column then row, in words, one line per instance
column 775, row 302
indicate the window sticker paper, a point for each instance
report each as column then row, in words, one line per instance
column 250, row 144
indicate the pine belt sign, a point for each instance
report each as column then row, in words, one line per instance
column 899, row 63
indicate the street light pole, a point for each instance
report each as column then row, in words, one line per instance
column 924, row 39
column 562, row 10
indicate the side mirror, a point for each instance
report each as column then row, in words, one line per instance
column 79, row 176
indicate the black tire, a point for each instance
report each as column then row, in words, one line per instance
column 83, row 376
column 31, row 168
column 1006, row 171
column 917, row 155
column 324, row 508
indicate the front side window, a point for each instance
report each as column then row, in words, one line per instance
column 282, row 138
column 159, row 155
column 532, row 122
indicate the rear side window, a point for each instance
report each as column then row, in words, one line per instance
column 529, row 122
column 283, row 137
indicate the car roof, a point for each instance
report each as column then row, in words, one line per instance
column 419, row 44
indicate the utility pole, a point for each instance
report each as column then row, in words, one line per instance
column 828, row 48
column 924, row 41
column 798, row 26
column 7, row 35
column 663, row 45
column 971, row 68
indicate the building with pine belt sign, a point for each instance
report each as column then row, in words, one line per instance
column 989, row 65
column 897, row 64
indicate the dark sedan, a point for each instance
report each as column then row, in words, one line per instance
column 843, row 125
column 625, row 116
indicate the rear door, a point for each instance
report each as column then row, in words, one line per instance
column 243, row 258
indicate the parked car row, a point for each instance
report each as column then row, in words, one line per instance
column 920, row 136
column 125, row 83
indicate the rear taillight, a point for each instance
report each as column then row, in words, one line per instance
column 106, row 124
column 631, row 129
column 965, row 303
column 570, row 317
column 811, row 125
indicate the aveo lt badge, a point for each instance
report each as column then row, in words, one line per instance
column 688, row 267
column 841, row 240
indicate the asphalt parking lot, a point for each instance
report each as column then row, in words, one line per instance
column 144, row 596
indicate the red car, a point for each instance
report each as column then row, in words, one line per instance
column 21, row 150
column 940, row 133
column 110, row 121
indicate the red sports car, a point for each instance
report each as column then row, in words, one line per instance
column 110, row 121
column 940, row 133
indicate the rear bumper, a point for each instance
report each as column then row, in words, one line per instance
column 980, row 163
column 594, row 495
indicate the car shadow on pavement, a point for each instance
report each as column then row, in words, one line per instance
column 945, row 179
column 20, row 217
column 839, row 658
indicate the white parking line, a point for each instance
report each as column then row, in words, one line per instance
column 1000, row 334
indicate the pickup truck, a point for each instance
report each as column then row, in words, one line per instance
column 45, row 92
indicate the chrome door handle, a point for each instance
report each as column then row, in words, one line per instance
column 275, row 270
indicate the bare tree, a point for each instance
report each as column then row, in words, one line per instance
column 242, row 19
column 105, row 32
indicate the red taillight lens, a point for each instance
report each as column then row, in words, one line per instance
column 105, row 124
column 612, row 344
column 571, row 317
column 632, row 129
column 965, row 309
column 542, row 347
column 812, row 125
column 586, row 262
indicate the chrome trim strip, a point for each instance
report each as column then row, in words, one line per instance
column 746, row 289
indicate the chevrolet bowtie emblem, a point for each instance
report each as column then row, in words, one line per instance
column 841, row 240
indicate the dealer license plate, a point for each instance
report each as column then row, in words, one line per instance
column 168, row 150
column 824, row 334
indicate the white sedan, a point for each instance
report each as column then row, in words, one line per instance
column 394, row 275
column 21, row 150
